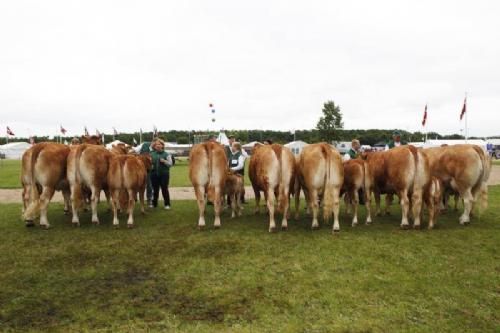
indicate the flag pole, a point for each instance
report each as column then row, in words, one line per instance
column 466, row 112
column 425, row 129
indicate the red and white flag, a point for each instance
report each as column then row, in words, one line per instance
column 63, row 130
column 9, row 131
column 424, row 120
column 86, row 131
column 464, row 109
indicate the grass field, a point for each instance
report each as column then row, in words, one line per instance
column 11, row 169
column 164, row 275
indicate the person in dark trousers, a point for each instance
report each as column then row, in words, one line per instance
column 160, row 173
column 146, row 149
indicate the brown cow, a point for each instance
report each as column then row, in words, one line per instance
column 432, row 198
column 272, row 171
column 463, row 168
column 87, row 168
column 403, row 171
column 208, row 168
column 126, row 178
column 321, row 174
column 234, row 189
column 355, row 179
column 91, row 139
column 45, row 163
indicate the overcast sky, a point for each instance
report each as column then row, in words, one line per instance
column 264, row 64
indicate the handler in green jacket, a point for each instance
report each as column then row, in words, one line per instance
column 160, row 173
column 354, row 152
column 396, row 141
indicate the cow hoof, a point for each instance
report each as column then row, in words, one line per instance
column 75, row 224
column 416, row 226
column 368, row 222
column 405, row 226
column 130, row 226
column 201, row 227
column 29, row 223
column 315, row 227
column 95, row 222
column 216, row 227
column 387, row 213
column 336, row 231
column 116, row 226
column 430, row 227
column 465, row 223
column 284, row 228
column 272, row 230
column 44, row 226
column 354, row 225
column 66, row 212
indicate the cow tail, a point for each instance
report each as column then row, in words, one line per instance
column 328, row 191
column 278, row 151
column 77, row 187
column 34, row 207
column 210, row 187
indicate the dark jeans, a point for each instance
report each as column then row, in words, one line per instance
column 160, row 182
column 149, row 188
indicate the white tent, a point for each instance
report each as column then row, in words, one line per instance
column 14, row 150
column 439, row 143
column 222, row 139
column 296, row 146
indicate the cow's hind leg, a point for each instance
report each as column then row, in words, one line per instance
column 468, row 200
column 270, row 209
column 368, row 198
column 336, row 208
column 416, row 200
column 257, row 200
column 45, row 197
column 200, row 200
column 217, row 207
column 355, row 205
column 67, row 201
column 115, row 196
column 377, row 203
column 315, row 208
column 131, row 205
column 405, row 208
column 94, row 200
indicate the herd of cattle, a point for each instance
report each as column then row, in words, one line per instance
column 417, row 177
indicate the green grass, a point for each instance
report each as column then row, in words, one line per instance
column 165, row 275
column 10, row 171
column 179, row 174
column 496, row 162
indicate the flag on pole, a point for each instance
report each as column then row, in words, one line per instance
column 135, row 141
column 424, row 120
column 9, row 131
column 464, row 109
column 86, row 131
column 97, row 132
column 115, row 132
column 63, row 130
column 155, row 132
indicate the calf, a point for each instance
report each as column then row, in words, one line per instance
column 207, row 171
column 321, row 174
column 356, row 182
column 126, row 178
column 234, row 189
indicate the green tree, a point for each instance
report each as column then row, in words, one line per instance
column 330, row 123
